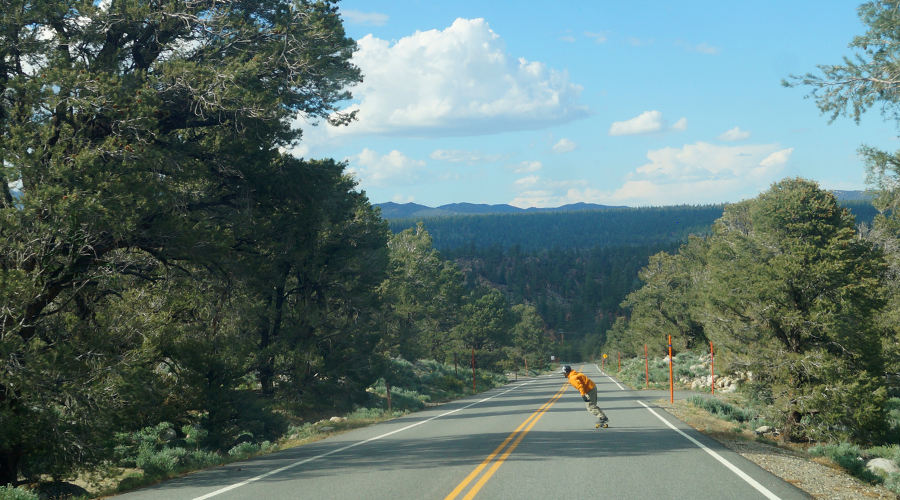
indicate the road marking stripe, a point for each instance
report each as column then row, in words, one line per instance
column 332, row 452
column 762, row 489
column 533, row 419
column 484, row 479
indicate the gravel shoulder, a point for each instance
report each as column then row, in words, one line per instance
column 821, row 481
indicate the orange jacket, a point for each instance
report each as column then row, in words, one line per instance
column 580, row 382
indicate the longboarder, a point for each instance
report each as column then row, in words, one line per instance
column 588, row 391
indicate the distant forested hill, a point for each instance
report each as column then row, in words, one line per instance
column 574, row 267
column 576, row 291
column 567, row 230
column 391, row 210
column 584, row 229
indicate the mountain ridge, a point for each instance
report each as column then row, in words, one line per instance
column 392, row 210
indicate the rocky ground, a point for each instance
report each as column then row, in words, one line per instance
column 821, row 480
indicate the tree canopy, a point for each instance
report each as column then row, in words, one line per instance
column 145, row 146
column 786, row 289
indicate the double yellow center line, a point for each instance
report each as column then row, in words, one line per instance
column 526, row 425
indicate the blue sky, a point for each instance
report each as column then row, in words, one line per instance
column 617, row 103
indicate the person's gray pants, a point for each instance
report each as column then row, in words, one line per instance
column 592, row 404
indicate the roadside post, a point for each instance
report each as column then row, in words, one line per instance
column 712, row 369
column 473, row 369
column 647, row 365
column 671, row 380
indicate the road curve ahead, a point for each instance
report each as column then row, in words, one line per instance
column 532, row 439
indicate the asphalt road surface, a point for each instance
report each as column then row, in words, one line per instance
column 531, row 439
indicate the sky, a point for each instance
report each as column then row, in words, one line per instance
column 648, row 103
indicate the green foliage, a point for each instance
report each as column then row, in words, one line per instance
column 847, row 456
column 160, row 454
column 784, row 288
column 415, row 383
column 243, row 451
column 565, row 230
column 722, row 409
column 634, row 369
column 892, row 409
column 422, row 294
column 575, row 292
column 146, row 184
column 11, row 493
column 791, row 294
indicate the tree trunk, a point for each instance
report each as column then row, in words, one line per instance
column 9, row 466
column 271, row 333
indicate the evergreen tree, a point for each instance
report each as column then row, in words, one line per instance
column 422, row 295
column 791, row 295
column 139, row 134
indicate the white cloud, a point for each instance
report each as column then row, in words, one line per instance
column 648, row 122
column 564, row 146
column 535, row 191
column 459, row 156
column 567, row 38
column 705, row 48
column 598, row 37
column 703, row 173
column 735, row 134
column 526, row 166
column 460, row 81
column 695, row 173
column 399, row 198
column 374, row 170
column 527, row 182
column 365, row 18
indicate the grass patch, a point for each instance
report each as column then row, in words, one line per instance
column 19, row 493
column 722, row 409
column 849, row 457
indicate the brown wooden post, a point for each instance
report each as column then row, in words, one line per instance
column 647, row 365
column 473, row 370
column 671, row 379
column 387, row 386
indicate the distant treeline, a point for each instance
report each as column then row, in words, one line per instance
column 576, row 291
column 582, row 230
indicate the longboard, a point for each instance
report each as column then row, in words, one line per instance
column 601, row 425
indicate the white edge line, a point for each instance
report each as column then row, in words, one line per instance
column 762, row 489
column 610, row 377
column 332, row 452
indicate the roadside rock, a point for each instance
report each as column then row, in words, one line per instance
column 882, row 466
column 168, row 434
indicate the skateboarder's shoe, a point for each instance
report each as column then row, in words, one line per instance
column 602, row 422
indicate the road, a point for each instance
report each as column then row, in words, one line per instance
column 531, row 439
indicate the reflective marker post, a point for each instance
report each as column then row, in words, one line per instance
column 712, row 369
